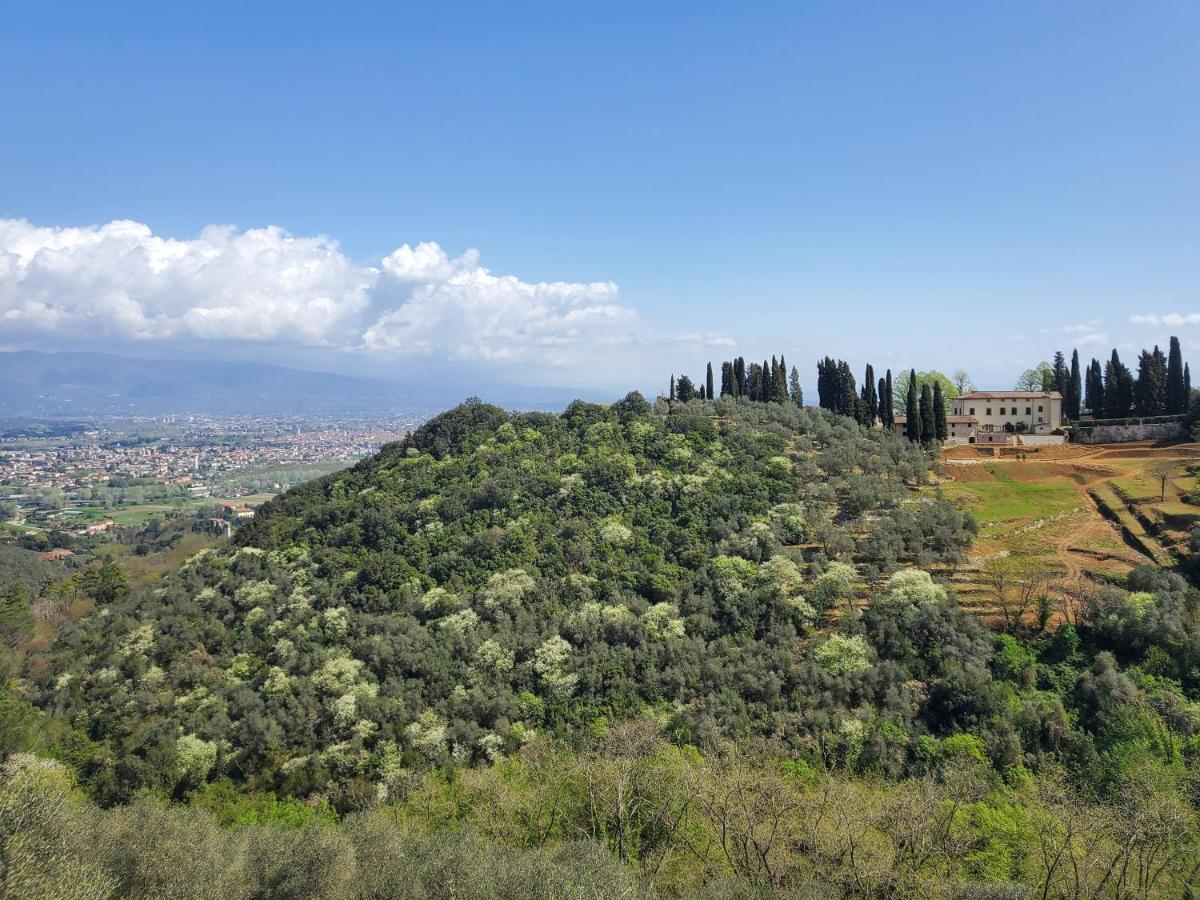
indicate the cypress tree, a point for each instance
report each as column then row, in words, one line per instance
column 847, row 396
column 766, row 387
column 824, row 383
column 1187, row 389
column 794, row 389
column 1176, row 396
column 928, row 419
column 912, row 412
column 726, row 379
column 890, row 399
column 941, row 427
column 1150, row 393
column 884, row 414
column 671, row 395
column 1095, row 389
column 872, row 399
column 708, row 383
column 754, row 381
column 1118, row 388
column 781, row 380
column 1059, row 375
column 1074, row 395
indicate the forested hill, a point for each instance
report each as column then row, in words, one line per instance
column 498, row 576
column 715, row 638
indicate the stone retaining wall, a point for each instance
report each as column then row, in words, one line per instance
column 1119, row 434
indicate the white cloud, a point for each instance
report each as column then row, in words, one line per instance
column 121, row 281
column 702, row 339
column 1087, row 328
column 1168, row 319
column 1087, row 334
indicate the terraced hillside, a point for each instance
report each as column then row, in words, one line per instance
column 1073, row 512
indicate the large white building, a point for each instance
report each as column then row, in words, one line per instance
column 987, row 417
column 1029, row 412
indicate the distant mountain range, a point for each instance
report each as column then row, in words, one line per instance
column 74, row 384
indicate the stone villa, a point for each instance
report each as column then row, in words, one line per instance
column 1028, row 412
column 996, row 417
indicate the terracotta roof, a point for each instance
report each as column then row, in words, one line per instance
column 1005, row 395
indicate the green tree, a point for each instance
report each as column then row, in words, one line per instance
column 1094, row 400
column 105, row 584
column 939, row 413
column 1060, row 374
column 912, row 409
column 727, row 388
column 928, row 417
column 685, row 390
column 794, row 389
column 890, row 422
column 708, row 381
column 1150, row 391
column 1039, row 378
column 1176, row 399
column 1074, row 395
column 1118, row 388
column 949, row 390
column 870, row 397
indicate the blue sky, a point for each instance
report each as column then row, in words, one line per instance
column 934, row 185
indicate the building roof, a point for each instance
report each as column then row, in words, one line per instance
column 1010, row 395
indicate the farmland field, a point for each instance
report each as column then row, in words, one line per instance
column 1082, row 513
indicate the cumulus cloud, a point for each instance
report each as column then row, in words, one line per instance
column 1169, row 319
column 1087, row 334
column 122, row 281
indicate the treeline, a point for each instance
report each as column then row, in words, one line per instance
column 924, row 407
column 837, row 391
column 1162, row 385
column 765, row 382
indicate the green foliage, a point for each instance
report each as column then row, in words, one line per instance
column 477, row 639
column 488, row 578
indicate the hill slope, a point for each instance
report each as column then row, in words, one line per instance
column 498, row 575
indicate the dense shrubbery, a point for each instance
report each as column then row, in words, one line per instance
column 494, row 577
column 631, row 817
column 554, row 629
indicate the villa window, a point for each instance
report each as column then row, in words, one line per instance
column 989, row 411
column 1029, row 410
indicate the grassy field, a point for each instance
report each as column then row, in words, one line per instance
column 1085, row 513
column 1006, row 499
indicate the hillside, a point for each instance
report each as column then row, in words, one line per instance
column 719, row 639
column 494, row 576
